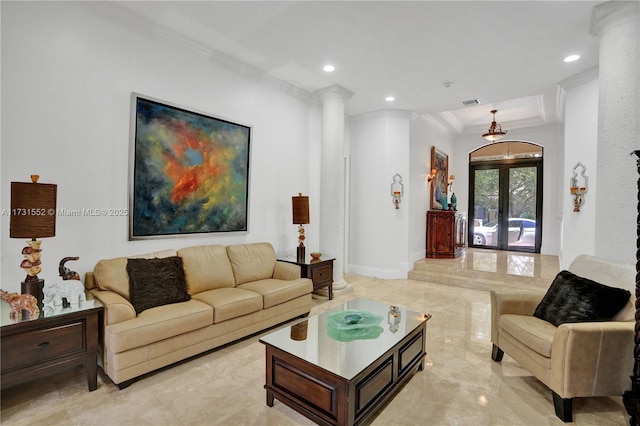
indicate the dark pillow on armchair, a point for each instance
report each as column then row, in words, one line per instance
column 576, row 299
column 156, row 282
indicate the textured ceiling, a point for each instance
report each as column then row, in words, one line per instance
column 507, row 54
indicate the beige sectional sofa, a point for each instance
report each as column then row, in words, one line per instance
column 235, row 291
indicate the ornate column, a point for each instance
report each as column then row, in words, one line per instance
column 617, row 24
column 332, row 180
column 631, row 398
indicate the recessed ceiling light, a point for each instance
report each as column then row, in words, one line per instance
column 389, row 99
column 572, row 58
column 329, row 68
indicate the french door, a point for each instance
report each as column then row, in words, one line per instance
column 506, row 204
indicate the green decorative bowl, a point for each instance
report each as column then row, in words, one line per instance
column 352, row 318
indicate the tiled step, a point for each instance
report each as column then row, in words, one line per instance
column 454, row 273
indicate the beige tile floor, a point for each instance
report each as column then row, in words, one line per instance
column 459, row 386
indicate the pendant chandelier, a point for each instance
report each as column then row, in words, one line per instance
column 495, row 131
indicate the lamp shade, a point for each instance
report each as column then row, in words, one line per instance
column 33, row 210
column 300, row 209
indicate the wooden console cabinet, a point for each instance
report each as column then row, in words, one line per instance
column 446, row 234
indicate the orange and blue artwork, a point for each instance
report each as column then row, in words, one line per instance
column 190, row 172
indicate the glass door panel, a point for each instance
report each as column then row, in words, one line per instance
column 522, row 207
column 486, row 191
column 505, row 202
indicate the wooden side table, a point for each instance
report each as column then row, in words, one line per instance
column 320, row 272
column 53, row 342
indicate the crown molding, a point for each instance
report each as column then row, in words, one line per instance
column 606, row 16
column 581, row 78
column 454, row 124
column 435, row 123
column 382, row 113
column 333, row 92
column 122, row 16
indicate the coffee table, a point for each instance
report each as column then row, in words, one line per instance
column 336, row 373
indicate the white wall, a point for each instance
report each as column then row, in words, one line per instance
column 378, row 233
column 581, row 144
column 67, row 76
column 424, row 135
column 547, row 136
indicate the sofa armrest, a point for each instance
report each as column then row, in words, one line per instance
column 592, row 358
column 512, row 302
column 286, row 271
column 116, row 307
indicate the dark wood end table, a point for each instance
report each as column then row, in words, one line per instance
column 58, row 339
column 320, row 272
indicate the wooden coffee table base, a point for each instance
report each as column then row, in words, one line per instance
column 328, row 399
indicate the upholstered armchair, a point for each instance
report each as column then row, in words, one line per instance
column 573, row 359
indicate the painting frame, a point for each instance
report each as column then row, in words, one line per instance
column 439, row 184
column 188, row 171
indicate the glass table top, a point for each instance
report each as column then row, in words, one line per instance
column 47, row 311
column 348, row 339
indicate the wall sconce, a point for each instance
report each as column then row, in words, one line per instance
column 397, row 189
column 578, row 185
column 431, row 176
column 452, row 179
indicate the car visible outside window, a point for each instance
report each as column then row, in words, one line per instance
column 521, row 230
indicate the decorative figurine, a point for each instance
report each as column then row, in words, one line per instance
column 18, row 302
column 66, row 273
column 393, row 318
column 31, row 263
column 72, row 290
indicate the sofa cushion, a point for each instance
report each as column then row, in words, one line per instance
column 614, row 274
column 111, row 274
column 230, row 303
column 275, row 292
column 252, row 262
column 576, row 299
column 157, row 324
column 156, row 282
column 533, row 332
column 206, row 267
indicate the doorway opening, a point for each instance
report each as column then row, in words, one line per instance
column 505, row 197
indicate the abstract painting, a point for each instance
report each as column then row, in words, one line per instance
column 189, row 172
column 439, row 162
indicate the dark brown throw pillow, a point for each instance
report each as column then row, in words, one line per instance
column 576, row 299
column 156, row 282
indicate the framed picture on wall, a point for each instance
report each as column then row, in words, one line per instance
column 439, row 162
column 188, row 171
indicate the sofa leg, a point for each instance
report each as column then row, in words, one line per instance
column 497, row 353
column 564, row 407
column 125, row 384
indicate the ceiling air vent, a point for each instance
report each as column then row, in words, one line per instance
column 471, row 102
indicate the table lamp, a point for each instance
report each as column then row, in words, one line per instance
column 33, row 215
column 300, row 217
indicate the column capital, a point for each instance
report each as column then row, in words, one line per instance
column 613, row 13
column 333, row 92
